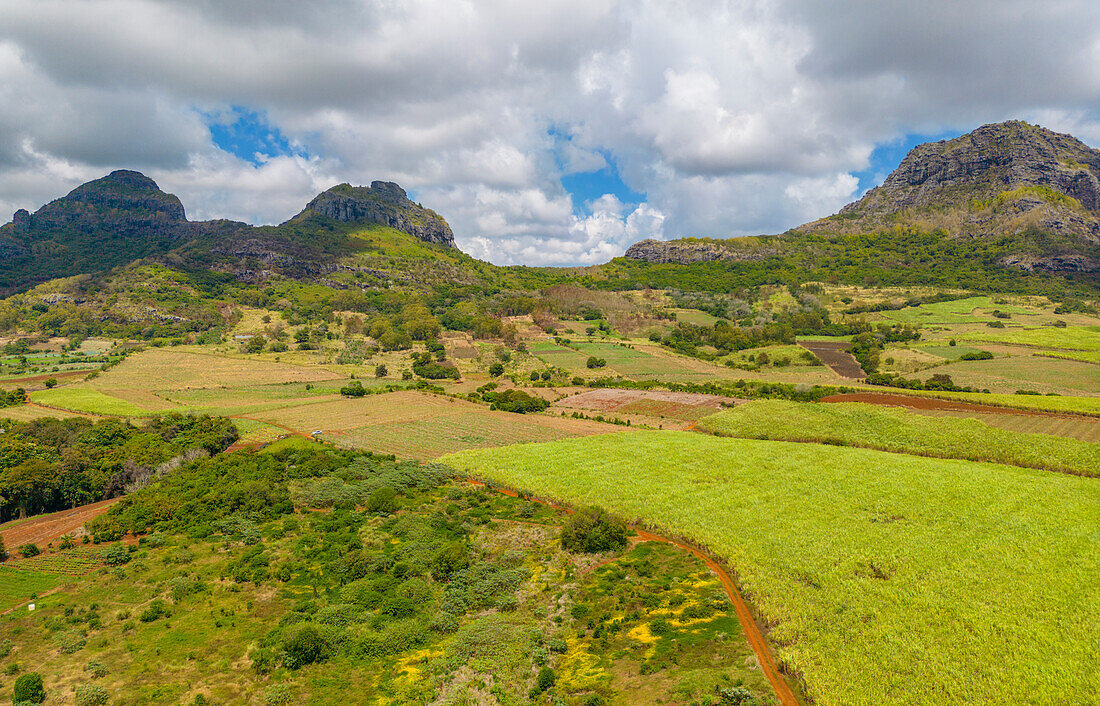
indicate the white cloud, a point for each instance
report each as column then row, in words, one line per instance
column 731, row 116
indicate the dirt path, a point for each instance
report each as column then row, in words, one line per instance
column 753, row 632
column 42, row 529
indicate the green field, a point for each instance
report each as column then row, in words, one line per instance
column 1022, row 372
column 1056, row 403
column 81, row 399
column 17, row 585
column 960, row 311
column 1074, row 338
column 902, row 431
column 888, row 579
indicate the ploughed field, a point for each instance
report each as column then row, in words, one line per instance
column 886, row 578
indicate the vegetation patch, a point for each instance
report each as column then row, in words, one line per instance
column 843, row 550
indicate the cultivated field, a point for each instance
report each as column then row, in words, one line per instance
column 888, row 579
column 650, row 403
column 902, row 431
column 1034, row 372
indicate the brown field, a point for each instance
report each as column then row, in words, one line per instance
column 1023, row 420
column 1028, row 372
column 347, row 413
column 176, row 369
column 1072, row 427
column 42, row 529
column 834, row 355
column 652, row 403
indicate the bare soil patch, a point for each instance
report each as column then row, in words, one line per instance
column 835, row 355
column 43, row 529
column 679, row 405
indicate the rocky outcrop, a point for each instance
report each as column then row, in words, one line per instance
column 383, row 203
column 690, row 250
column 124, row 216
column 1034, row 191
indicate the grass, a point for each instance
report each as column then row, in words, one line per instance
column 1063, row 404
column 82, row 399
column 1037, row 373
column 888, row 579
column 1072, row 427
column 960, row 311
column 1074, row 338
column 902, row 431
column 18, row 585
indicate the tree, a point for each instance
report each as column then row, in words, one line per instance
column 353, row 389
column 381, row 371
column 28, row 688
column 256, row 344
column 51, row 383
column 3, row 550
column 496, row 370
column 591, row 530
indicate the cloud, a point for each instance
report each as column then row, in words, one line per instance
column 730, row 116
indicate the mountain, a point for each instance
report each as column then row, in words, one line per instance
column 1025, row 196
column 125, row 216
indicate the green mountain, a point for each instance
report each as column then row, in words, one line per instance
column 1006, row 196
column 125, row 216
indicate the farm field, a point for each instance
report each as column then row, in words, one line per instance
column 902, row 431
column 1076, row 338
column 43, row 529
column 1070, row 427
column 959, row 311
column 848, row 552
column 27, row 412
column 1056, row 404
column 91, row 401
column 193, row 367
column 18, row 586
column 650, row 403
column 1036, row 373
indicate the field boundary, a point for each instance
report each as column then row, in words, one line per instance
column 960, row 405
column 753, row 631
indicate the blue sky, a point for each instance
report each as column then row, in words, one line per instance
column 249, row 135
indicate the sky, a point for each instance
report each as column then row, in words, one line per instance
column 546, row 132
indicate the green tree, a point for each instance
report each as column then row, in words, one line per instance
column 496, row 370
column 591, row 530
column 381, row 371
column 29, row 689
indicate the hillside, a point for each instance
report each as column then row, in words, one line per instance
column 125, row 216
column 1015, row 195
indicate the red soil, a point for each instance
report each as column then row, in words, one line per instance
column 43, row 529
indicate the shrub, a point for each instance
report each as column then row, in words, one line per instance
column 534, row 375
column 380, row 370
column 117, row 555
column 97, row 669
column 977, row 355
column 591, row 530
column 90, row 695
column 29, row 688
column 496, row 370
column 29, row 550
column 382, row 501
column 51, row 383
column 543, row 681
column 451, row 558
column 734, row 696
column 157, row 609
column 304, row 644
column 277, row 694
column 3, row 550
column 593, row 362
column 353, row 389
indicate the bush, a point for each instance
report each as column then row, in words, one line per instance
column 543, row 681
column 51, row 383
column 977, row 355
column 3, row 550
column 734, row 696
column 591, row 530
column 29, row 550
column 304, row 644
column 496, row 370
column 382, row 501
column 451, row 558
column 117, row 555
column 593, row 362
column 353, row 389
column 380, row 370
column 29, row 688
column 157, row 609
column 277, row 694
column 90, row 695
column 97, row 669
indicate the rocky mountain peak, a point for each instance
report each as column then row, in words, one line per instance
column 383, row 203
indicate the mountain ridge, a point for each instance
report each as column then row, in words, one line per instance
column 125, row 216
column 1032, row 190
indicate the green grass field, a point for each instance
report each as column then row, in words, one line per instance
column 902, row 431
column 888, row 579
column 1061, row 404
column 1022, row 372
column 1075, row 338
column 17, row 585
column 82, row 399
column 960, row 311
